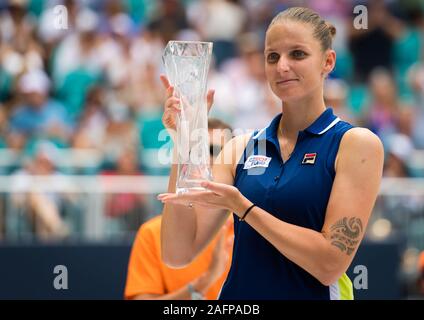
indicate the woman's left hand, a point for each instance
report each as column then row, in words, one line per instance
column 218, row 195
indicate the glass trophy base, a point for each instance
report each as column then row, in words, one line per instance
column 190, row 186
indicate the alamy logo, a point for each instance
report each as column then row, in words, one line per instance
column 361, row 20
column 60, row 282
column 60, row 17
column 360, row 282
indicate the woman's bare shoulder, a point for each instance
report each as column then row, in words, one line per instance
column 361, row 138
column 359, row 143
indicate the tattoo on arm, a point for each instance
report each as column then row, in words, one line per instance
column 345, row 234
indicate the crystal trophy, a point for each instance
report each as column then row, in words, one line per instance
column 186, row 65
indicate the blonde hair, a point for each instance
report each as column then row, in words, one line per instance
column 323, row 30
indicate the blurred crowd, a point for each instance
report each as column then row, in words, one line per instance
column 83, row 75
column 80, row 94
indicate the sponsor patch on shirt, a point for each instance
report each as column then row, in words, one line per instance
column 257, row 161
column 309, row 158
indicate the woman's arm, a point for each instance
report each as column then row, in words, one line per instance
column 180, row 223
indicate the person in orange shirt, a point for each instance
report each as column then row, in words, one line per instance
column 149, row 278
column 421, row 273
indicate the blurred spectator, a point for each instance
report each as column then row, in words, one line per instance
column 408, row 47
column 129, row 208
column 115, row 51
column 225, row 102
column 249, row 86
column 399, row 151
column 121, row 130
column 416, row 80
column 93, row 122
column 420, row 268
column 147, row 49
column 338, row 13
column 331, row 8
column 16, row 25
column 219, row 21
column 38, row 116
column 146, row 64
column 78, row 51
column 140, row 10
column 111, row 9
column 386, row 114
column 169, row 19
column 3, row 126
column 50, row 35
column 259, row 15
column 80, row 61
column 28, row 57
column 335, row 94
column 400, row 212
column 20, row 51
column 6, row 78
column 153, row 140
column 42, row 208
column 372, row 47
column 151, row 98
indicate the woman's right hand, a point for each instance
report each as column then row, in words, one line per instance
column 172, row 105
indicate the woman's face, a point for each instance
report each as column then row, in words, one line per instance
column 295, row 64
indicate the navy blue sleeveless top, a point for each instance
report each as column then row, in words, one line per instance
column 296, row 191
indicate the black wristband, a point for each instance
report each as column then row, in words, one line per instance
column 247, row 211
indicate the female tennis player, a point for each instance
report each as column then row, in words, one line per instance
column 301, row 190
